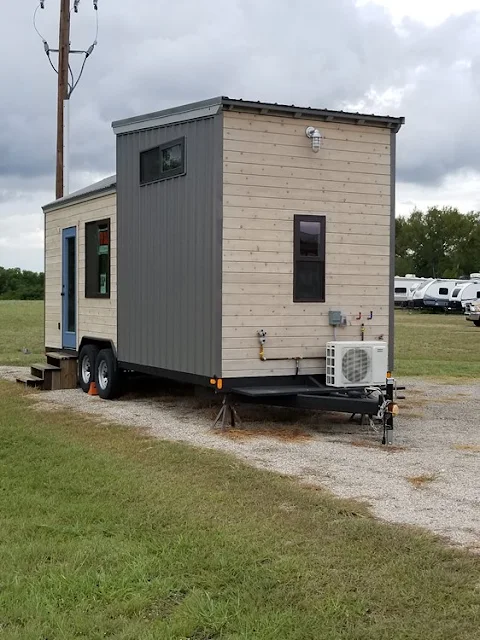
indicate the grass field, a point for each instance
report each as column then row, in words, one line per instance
column 21, row 326
column 436, row 345
column 433, row 345
column 108, row 534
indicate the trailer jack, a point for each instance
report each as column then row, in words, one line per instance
column 227, row 413
column 390, row 411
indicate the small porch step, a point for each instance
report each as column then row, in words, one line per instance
column 59, row 372
column 50, row 374
column 54, row 357
column 30, row 381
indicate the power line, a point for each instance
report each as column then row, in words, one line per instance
column 73, row 81
column 67, row 83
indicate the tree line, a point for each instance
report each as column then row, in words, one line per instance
column 16, row 284
column 441, row 243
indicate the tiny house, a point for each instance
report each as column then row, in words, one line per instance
column 235, row 242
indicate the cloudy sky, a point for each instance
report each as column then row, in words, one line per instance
column 416, row 58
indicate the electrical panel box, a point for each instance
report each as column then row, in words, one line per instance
column 334, row 318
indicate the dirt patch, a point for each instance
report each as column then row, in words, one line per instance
column 286, row 434
column 472, row 448
column 421, row 481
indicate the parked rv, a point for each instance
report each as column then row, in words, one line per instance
column 462, row 294
column 404, row 285
column 437, row 293
column 241, row 246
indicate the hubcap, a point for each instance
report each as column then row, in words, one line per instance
column 86, row 369
column 103, row 374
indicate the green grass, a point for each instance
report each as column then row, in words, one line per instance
column 427, row 345
column 21, row 325
column 108, row 534
column 436, row 345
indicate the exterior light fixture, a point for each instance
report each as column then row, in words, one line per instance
column 315, row 136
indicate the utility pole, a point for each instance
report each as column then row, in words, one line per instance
column 65, row 88
column 63, row 98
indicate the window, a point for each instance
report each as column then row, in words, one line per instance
column 164, row 161
column 443, row 291
column 309, row 259
column 455, row 293
column 97, row 259
column 400, row 289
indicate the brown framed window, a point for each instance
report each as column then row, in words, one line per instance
column 309, row 259
column 97, row 259
column 162, row 162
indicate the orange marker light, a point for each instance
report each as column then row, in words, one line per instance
column 213, row 381
column 219, row 383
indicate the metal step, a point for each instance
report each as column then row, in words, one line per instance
column 30, row 381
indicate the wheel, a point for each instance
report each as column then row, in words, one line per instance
column 476, row 323
column 107, row 375
column 86, row 365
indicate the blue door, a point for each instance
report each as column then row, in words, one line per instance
column 69, row 288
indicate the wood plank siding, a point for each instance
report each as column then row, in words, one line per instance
column 271, row 174
column 96, row 317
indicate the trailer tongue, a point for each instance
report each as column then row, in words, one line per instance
column 375, row 403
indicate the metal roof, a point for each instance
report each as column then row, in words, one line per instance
column 205, row 108
column 97, row 188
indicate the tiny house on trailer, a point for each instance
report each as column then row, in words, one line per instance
column 236, row 242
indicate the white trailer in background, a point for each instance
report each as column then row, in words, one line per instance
column 463, row 294
column 436, row 294
column 404, row 285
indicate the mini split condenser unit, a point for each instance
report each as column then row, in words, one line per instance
column 356, row 364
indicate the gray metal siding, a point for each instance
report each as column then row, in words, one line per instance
column 169, row 253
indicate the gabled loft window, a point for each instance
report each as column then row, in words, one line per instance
column 97, row 259
column 162, row 162
column 309, row 259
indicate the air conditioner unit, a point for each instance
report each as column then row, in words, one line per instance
column 356, row 364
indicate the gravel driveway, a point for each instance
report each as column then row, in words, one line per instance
column 430, row 478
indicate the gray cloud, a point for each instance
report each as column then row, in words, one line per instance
column 156, row 54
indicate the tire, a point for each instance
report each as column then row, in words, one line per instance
column 86, row 366
column 476, row 323
column 107, row 375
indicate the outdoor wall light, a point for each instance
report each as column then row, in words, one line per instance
column 315, row 136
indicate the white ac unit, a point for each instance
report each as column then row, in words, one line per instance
column 356, row 364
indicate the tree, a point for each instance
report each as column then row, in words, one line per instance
column 440, row 243
column 16, row 284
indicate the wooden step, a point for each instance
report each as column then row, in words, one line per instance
column 59, row 356
column 67, row 363
column 30, row 381
column 45, row 367
column 51, row 375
